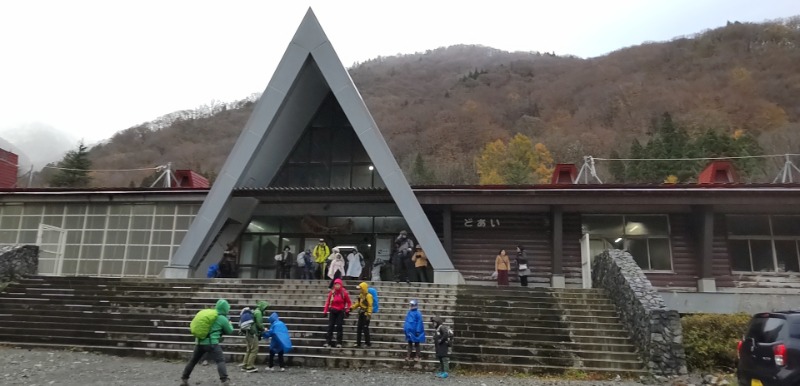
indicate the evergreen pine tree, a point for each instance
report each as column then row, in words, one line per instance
column 420, row 174
column 74, row 172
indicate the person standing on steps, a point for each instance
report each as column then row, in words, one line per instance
column 305, row 264
column 279, row 341
column 227, row 266
column 284, row 260
column 355, row 264
column 403, row 266
column 522, row 266
column 364, row 306
column 502, row 265
column 337, row 305
column 414, row 329
column 210, row 344
column 336, row 268
column 421, row 264
column 442, row 341
column 320, row 253
column 252, row 336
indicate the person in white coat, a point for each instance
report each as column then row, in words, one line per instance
column 336, row 266
column 355, row 264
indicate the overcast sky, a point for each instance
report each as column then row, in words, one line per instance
column 91, row 68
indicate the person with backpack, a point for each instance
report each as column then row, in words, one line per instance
column 523, row 269
column 364, row 304
column 207, row 327
column 280, row 341
column 252, row 328
column 414, row 329
column 320, row 254
column 337, row 305
column 401, row 258
column 442, row 341
column 227, row 266
column 305, row 264
column 284, row 269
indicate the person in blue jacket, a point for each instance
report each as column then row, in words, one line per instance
column 414, row 329
column 280, row 341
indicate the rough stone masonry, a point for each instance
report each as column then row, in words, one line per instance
column 18, row 261
column 656, row 330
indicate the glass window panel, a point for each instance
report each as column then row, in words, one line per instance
column 118, row 222
column 761, row 251
column 164, row 223
column 264, row 225
column 11, row 210
column 352, row 224
column 72, row 252
column 186, row 210
column 76, row 209
column 154, row 267
column 69, row 267
column 340, row 144
column 162, row 237
column 74, row 237
column 317, row 175
column 135, row 268
column 321, row 145
column 391, row 225
column 249, row 249
column 32, row 209
column 8, row 237
column 73, row 222
column 290, row 175
column 93, row 237
column 54, row 209
column 95, row 222
column 300, row 153
column 56, row 221
column 748, row 225
column 142, row 222
column 144, row 209
column 786, row 253
column 116, row 237
column 359, row 153
column 137, row 253
column 268, row 248
column 786, row 225
column 113, row 252
column 88, row 267
column 638, row 249
column 91, row 251
column 659, row 254
column 111, row 267
column 139, row 237
column 31, row 222
column 340, row 176
column 98, row 209
column 183, row 222
column 120, row 209
column 362, row 176
column 10, row 222
column 603, row 225
column 164, row 209
column 47, row 266
column 179, row 235
column 159, row 253
column 378, row 183
column 295, row 224
column 27, row 237
column 646, row 225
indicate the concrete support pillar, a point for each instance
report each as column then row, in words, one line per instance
column 447, row 220
column 558, row 279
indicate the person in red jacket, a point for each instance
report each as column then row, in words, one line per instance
column 337, row 306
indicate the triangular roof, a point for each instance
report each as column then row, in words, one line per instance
column 309, row 71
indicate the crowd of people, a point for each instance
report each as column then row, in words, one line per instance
column 209, row 327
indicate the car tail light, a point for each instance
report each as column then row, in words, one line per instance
column 739, row 349
column 780, row 354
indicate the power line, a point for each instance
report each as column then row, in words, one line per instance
column 695, row 159
column 102, row 170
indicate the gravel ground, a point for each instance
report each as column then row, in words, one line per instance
column 67, row 368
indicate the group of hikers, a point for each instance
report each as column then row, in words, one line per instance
column 210, row 325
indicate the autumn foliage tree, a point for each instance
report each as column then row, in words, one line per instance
column 518, row 163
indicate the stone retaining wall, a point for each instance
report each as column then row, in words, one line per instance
column 18, row 261
column 655, row 329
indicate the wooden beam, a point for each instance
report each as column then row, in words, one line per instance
column 447, row 222
column 558, row 239
column 707, row 244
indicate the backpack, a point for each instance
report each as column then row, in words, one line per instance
column 447, row 334
column 246, row 320
column 374, row 294
column 301, row 259
column 202, row 323
column 213, row 271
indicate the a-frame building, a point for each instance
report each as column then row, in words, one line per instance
column 310, row 131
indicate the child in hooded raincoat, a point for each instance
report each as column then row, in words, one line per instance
column 414, row 328
column 442, row 341
column 280, row 341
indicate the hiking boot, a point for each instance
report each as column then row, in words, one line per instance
column 357, row 345
column 184, row 382
column 269, row 369
column 442, row 375
column 205, row 363
column 338, row 345
column 251, row 370
column 283, row 368
column 326, row 345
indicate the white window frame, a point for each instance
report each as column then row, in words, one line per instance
column 771, row 238
column 626, row 238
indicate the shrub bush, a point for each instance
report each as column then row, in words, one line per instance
column 710, row 340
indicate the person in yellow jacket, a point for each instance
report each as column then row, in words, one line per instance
column 421, row 264
column 320, row 253
column 364, row 306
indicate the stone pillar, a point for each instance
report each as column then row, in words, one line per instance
column 558, row 280
column 176, row 272
column 707, row 282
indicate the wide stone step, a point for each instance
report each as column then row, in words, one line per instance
column 537, row 311
column 524, row 343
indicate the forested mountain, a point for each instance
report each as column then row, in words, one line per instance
column 444, row 105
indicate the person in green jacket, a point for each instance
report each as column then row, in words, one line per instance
column 211, row 345
column 251, row 337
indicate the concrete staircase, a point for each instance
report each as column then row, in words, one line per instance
column 536, row 330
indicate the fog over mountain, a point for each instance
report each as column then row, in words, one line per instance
column 36, row 143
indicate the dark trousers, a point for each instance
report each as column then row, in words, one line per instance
column 272, row 358
column 416, row 348
column 306, row 272
column 399, row 266
column 363, row 326
column 216, row 353
column 337, row 275
column 283, row 271
column 335, row 320
column 410, row 269
column 523, row 280
column 422, row 274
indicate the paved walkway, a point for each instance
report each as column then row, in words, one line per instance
column 69, row 368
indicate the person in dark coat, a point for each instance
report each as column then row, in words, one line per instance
column 227, row 266
column 401, row 259
column 442, row 341
column 523, row 269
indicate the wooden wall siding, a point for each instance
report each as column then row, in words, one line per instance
column 572, row 248
column 685, row 255
column 474, row 249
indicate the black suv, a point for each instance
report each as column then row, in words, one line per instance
column 769, row 353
